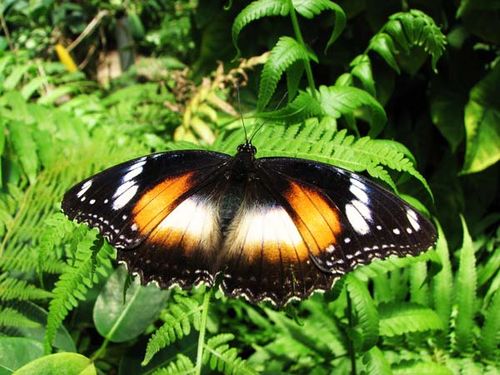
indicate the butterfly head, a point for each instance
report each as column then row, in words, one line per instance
column 247, row 148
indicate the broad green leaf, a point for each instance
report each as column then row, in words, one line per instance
column 465, row 294
column 25, row 148
column 254, row 11
column 376, row 364
column 482, row 119
column 403, row 318
column 15, row 352
column 311, row 8
column 366, row 312
column 283, row 55
column 447, row 112
column 118, row 321
column 60, row 363
column 336, row 101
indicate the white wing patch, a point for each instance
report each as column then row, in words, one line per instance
column 126, row 194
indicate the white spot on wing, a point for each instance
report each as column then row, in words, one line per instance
column 356, row 219
column 125, row 196
column 133, row 173
column 122, row 188
column 359, row 193
column 413, row 219
column 396, row 231
column 84, row 188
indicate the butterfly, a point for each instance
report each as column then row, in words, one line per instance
column 273, row 228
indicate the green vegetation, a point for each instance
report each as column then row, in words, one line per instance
column 406, row 92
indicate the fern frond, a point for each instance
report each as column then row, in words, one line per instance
column 401, row 318
column 182, row 366
column 465, row 295
column 362, row 302
column 254, row 11
column 29, row 261
column 376, row 363
column 490, row 333
column 11, row 288
column 284, row 54
column 179, row 317
column 10, row 317
column 415, row 28
column 75, row 281
column 413, row 368
column 221, row 357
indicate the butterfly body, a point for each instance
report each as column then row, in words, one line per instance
column 267, row 228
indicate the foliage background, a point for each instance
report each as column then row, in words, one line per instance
column 408, row 97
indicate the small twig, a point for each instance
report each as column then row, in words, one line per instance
column 7, row 33
column 89, row 29
column 90, row 53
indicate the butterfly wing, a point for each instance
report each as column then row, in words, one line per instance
column 369, row 222
column 158, row 210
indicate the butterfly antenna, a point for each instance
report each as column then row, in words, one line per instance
column 262, row 124
column 241, row 114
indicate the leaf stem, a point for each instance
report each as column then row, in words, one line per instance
column 203, row 327
column 298, row 35
column 350, row 342
column 97, row 354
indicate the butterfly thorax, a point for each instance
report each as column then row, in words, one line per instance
column 244, row 166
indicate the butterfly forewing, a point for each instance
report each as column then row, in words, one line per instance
column 127, row 201
column 372, row 222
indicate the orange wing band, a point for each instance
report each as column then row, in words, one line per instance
column 318, row 222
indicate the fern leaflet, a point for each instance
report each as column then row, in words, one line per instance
column 221, row 357
column 254, row 11
column 490, row 333
column 10, row 317
column 376, row 364
column 365, row 310
column 465, row 294
column 179, row 318
column 400, row 318
column 286, row 52
column 11, row 288
column 182, row 366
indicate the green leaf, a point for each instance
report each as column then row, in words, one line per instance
column 465, row 295
column 340, row 100
column 382, row 44
column 72, row 363
column 25, row 148
column 363, row 305
column 361, row 69
column 15, row 352
column 482, row 116
column 447, row 112
column 311, row 8
column 224, row 359
column 402, row 318
column 15, row 76
column 283, row 55
column 254, row 11
column 376, row 364
column 120, row 322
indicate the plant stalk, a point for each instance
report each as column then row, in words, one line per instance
column 350, row 342
column 298, row 35
column 203, row 327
